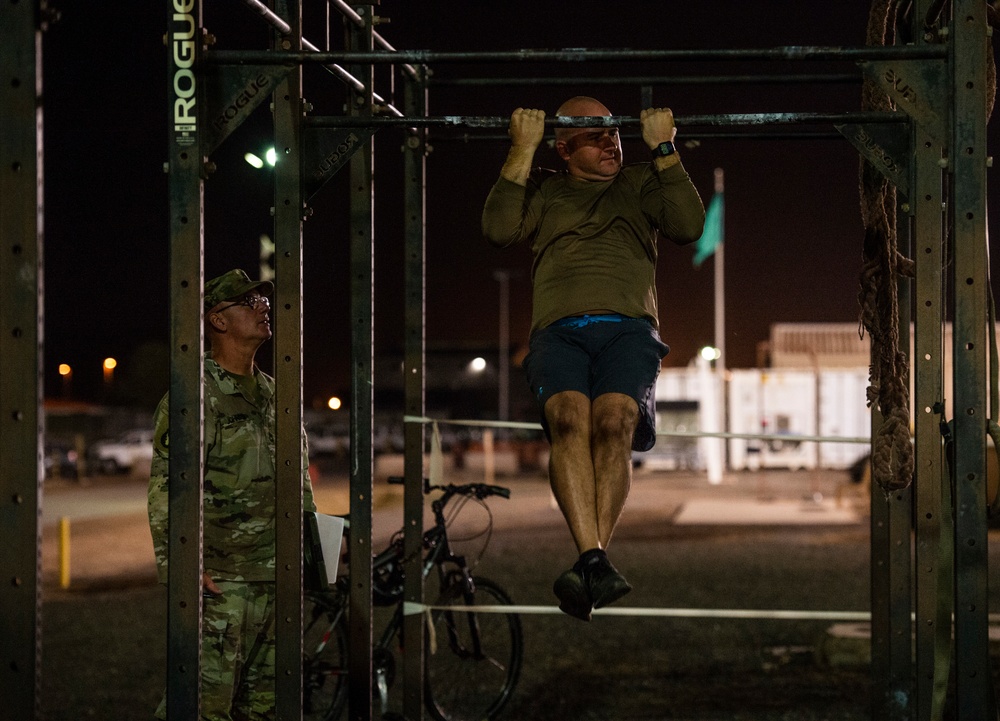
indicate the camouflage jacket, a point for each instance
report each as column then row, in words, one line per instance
column 239, row 515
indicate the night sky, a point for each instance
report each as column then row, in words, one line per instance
column 793, row 228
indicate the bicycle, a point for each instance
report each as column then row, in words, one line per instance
column 473, row 660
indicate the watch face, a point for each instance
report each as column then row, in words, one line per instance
column 665, row 148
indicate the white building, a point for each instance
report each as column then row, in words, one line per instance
column 814, row 384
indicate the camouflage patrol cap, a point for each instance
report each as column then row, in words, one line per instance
column 231, row 286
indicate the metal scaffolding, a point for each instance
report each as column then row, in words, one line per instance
column 932, row 147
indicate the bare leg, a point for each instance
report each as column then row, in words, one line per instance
column 591, row 471
column 614, row 419
column 571, row 468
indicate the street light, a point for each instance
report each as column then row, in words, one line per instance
column 477, row 365
column 711, row 353
column 67, row 377
column 270, row 157
column 334, row 403
column 109, row 371
column 711, row 411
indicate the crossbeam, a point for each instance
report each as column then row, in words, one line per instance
column 716, row 120
column 792, row 52
column 664, row 80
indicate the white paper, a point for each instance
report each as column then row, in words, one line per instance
column 330, row 532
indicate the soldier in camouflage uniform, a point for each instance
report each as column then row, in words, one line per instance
column 239, row 517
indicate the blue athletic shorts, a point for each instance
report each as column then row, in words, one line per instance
column 596, row 355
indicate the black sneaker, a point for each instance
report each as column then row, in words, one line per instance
column 574, row 599
column 604, row 584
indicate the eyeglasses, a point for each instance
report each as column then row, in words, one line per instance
column 250, row 301
column 597, row 138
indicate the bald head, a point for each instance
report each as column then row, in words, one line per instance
column 593, row 153
column 579, row 106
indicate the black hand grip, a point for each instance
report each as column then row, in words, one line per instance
column 486, row 490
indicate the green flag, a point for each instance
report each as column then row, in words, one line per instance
column 714, row 232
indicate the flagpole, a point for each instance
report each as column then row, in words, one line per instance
column 712, row 406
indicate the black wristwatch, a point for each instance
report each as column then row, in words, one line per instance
column 664, row 149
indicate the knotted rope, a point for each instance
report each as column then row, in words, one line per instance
column 892, row 454
column 883, row 264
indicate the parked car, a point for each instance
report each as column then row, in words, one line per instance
column 388, row 439
column 328, row 440
column 122, row 454
column 60, row 460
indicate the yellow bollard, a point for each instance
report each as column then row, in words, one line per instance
column 64, row 552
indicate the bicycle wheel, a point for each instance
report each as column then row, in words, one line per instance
column 324, row 663
column 474, row 661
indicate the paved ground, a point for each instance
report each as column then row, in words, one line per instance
column 103, row 639
column 110, row 546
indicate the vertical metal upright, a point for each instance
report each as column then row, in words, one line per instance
column 967, row 165
column 900, row 702
column 288, row 214
column 362, row 248
column 891, row 526
column 185, row 166
column 414, row 196
column 21, row 418
column 933, row 566
column 890, row 601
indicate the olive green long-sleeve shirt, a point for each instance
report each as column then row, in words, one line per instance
column 594, row 243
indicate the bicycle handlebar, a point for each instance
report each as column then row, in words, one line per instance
column 479, row 490
column 482, row 490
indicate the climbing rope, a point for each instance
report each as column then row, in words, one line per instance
column 882, row 264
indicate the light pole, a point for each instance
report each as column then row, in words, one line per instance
column 503, row 378
column 710, row 413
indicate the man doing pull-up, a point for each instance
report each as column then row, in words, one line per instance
column 595, row 351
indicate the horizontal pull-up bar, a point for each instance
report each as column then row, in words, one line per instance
column 467, row 121
column 792, row 52
column 759, row 78
column 688, row 135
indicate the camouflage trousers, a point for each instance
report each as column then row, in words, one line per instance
column 237, row 654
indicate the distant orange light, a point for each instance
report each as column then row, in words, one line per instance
column 110, row 363
column 64, row 369
column 334, row 403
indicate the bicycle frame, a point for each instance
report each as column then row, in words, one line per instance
column 453, row 573
column 438, row 554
